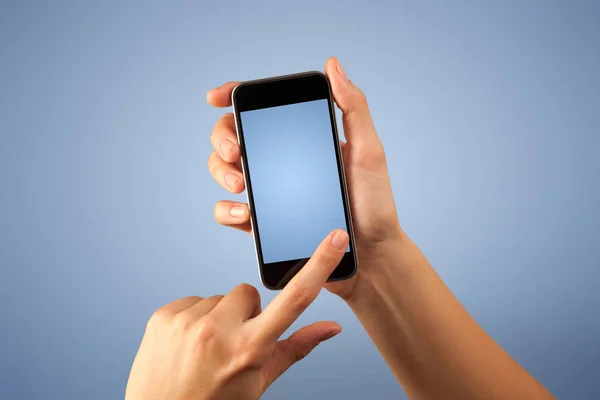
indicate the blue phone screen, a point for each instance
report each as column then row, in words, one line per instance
column 294, row 178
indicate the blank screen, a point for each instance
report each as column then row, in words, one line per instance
column 294, row 177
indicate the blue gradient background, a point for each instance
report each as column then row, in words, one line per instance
column 295, row 180
column 489, row 111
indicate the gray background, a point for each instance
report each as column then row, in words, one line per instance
column 295, row 179
column 489, row 112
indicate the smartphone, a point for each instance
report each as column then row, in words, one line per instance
column 292, row 163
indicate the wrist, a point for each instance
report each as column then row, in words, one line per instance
column 391, row 266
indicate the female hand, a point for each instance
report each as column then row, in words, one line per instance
column 224, row 347
column 430, row 342
column 375, row 220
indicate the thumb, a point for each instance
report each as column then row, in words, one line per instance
column 358, row 125
column 293, row 349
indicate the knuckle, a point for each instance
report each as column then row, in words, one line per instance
column 218, row 297
column 248, row 291
column 223, row 123
column 207, row 329
column 327, row 260
column 194, row 298
column 228, row 118
column 300, row 298
column 160, row 317
column 182, row 322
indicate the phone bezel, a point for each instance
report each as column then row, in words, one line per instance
column 279, row 91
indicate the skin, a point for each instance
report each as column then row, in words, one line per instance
column 429, row 341
column 224, row 347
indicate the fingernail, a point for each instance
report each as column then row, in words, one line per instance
column 225, row 147
column 329, row 335
column 237, row 211
column 340, row 70
column 231, row 179
column 340, row 240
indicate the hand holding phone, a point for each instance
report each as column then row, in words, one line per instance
column 395, row 282
column 375, row 224
column 224, row 347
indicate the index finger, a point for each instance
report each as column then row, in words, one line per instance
column 302, row 290
column 221, row 96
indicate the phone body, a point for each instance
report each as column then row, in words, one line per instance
column 294, row 172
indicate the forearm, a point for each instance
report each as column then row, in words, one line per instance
column 433, row 346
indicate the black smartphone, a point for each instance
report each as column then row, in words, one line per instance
column 294, row 173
